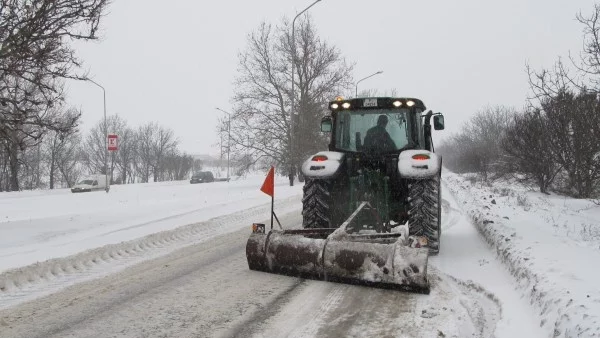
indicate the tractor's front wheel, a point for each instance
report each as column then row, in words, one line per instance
column 317, row 208
column 425, row 210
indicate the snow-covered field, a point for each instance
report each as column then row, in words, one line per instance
column 39, row 225
column 550, row 244
column 45, row 234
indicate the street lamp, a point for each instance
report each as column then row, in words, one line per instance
column 228, row 137
column 293, row 89
column 364, row 78
column 105, row 137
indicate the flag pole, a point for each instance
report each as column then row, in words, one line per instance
column 272, row 210
column 268, row 188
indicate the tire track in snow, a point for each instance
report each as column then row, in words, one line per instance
column 195, row 291
column 450, row 215
column 250, row 326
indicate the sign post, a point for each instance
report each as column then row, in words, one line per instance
column 112, row 142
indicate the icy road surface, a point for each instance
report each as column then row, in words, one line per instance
column 207, row 290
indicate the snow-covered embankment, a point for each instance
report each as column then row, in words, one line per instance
column 546, row 243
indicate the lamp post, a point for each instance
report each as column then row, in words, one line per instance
column 228, row 137
column 105, row 137
column 291, row 148
column 364, row 78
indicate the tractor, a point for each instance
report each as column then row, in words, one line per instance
column 371, row 207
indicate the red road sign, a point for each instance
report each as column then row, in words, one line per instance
column 112, row 142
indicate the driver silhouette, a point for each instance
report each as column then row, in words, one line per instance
column 377, row 139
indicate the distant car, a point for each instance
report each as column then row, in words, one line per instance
column 91, row 183
column 202, row 177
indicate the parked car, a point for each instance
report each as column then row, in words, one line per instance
column 91, row 183
column 202, row 177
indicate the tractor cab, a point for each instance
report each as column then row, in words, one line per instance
column 379, row 125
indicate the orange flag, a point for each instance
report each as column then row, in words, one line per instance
column 268, row 186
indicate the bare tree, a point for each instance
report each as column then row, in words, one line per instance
column 4, row 166
column 488, row 127
column 163, row 143
column 35, row 36
column 574, row 123
column 588, row 60
column 144, row 153
column 62, row 158
column 68, row 159
column 261, row 125
column 58, row 144
column 177, row 166
column 573, row 118
column 27, row 127
column 32, row 168
column 476, row 148
column 35, row 56
column 528, row 145
column 458, row 154
column 126, row 154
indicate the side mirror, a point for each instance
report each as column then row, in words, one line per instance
column 326, row 124
column 438, row 122
column 95, row 183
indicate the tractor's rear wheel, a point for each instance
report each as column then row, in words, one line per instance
column 317, row 203
column 425, row 211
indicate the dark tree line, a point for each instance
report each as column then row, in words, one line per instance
column 555, row 141
column 147, row 153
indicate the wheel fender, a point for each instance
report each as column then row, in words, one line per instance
column 322, row 164
column 419, row 169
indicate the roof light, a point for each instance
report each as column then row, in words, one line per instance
column 339, row 98
column 346, row 105
column 410, row 103
column 335, row 106
column 420, row 157
column 397, row 103
column 319, row 158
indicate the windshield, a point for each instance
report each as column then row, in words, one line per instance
column 373, row 130
column 88, row 182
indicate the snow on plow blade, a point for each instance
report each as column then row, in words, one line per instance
column 380, row 260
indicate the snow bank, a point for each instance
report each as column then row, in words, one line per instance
column 42, row 278
column 555, row 271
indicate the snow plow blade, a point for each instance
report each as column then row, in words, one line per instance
column 383, row 260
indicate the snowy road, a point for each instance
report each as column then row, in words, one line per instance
column 207, row 290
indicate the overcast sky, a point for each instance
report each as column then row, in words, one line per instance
column 175, row 61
